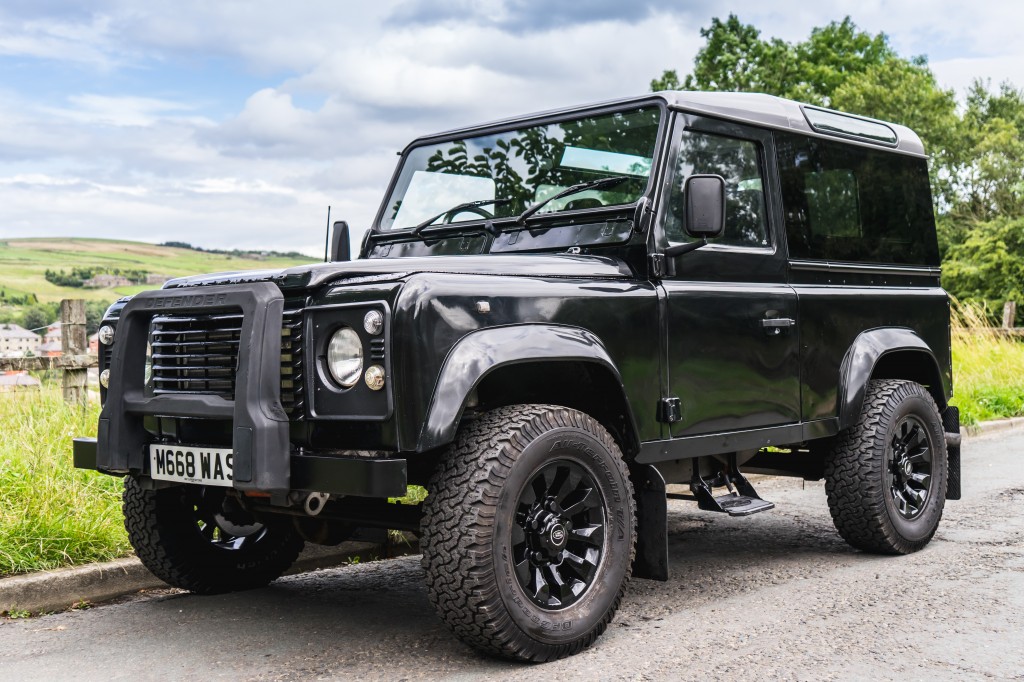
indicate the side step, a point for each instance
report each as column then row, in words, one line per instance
column 741, row 500
column 741, row 505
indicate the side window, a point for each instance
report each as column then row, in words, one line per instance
column 738, row 162
column 851, row 203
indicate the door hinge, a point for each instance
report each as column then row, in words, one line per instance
column 657, row 265
column 670, row 410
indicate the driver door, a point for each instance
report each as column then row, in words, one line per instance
column 733, row 335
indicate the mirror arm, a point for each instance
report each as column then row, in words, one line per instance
column 680, row 249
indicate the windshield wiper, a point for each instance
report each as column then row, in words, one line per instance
column 416, row 231
column 575, row 189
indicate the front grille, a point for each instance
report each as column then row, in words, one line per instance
column 195, row 353
column 293, row 395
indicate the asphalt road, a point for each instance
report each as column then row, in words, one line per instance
column 774, row 596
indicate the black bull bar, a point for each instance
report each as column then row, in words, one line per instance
column 263, row 460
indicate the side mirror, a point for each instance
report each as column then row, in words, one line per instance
column 704, row 209
column 339, row 242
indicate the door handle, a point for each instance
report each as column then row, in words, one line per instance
column 773, row 326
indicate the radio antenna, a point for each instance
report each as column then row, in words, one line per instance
column 327, row 237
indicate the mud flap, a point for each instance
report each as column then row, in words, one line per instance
column 652, row 523
column 951, row 425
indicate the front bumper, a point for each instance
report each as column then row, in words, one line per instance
column 336, row 475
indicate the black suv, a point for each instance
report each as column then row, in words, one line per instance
column 551, row 318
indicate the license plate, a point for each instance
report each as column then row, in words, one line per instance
column 191, row 464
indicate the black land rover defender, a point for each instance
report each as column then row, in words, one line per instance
column 550, row 319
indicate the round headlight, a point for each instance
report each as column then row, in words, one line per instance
column 105, row 378
column 106, row 335
column 373, row 322
column 345, row 357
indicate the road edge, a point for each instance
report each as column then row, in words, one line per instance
column 67, row 588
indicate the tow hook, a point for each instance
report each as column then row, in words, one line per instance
column 315, row 503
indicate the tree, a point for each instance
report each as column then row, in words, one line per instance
column 988, row 266
column 736, row 58
column 986, row 154
column 94, row 315
column 38, row 316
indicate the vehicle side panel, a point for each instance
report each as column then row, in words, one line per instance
column 836, row 308
column 434, row 312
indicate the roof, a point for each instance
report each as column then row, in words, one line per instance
column 18, row 380
column 746, row 107
column 15, row 331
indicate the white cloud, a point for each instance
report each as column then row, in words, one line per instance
column 339, row 89
column 85, row 42
column 125, row 110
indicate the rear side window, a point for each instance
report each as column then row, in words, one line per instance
column 850, row 203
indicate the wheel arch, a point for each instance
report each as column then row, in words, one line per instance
column 886, row 353
column 529, row 363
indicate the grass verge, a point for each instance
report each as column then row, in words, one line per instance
column 52, row 514
column 988, row 369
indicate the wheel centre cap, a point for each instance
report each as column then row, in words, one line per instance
column 908, row 468
column 557, row 535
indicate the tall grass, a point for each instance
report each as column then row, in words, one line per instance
column 52, row 514
column 988, row 368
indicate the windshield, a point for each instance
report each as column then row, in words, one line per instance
column 518, row 168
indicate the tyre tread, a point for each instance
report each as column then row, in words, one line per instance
column 458, row 527
column 854, row 481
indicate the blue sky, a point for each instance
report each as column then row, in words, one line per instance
column 235, row 124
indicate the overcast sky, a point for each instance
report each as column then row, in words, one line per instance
column 235, row 123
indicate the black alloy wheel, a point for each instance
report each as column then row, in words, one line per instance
column 529, row 532
column 885, row 477
column 910, row 467
column 558, row 535
column 200, row 539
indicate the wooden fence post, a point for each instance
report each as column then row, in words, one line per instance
column 1009, row 314
column 73, row 342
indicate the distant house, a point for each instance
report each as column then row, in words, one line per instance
column 13, row 381
column 52, row 333
column 105, row 281
column 152, row 278
column 16, row 341
column 94, row 344
column 51, row 350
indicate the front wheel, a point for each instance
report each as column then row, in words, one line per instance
column 529, row 532
column 199, row 539
column 886, row 476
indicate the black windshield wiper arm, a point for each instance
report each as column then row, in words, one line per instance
column 455, row 209
column 581, row 187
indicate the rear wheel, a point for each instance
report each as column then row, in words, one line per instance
column 886, row 475
column 199, row 539
column 529, row 532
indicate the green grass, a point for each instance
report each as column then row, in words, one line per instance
column 23, row 263
column 988, row 369
column 52, row 514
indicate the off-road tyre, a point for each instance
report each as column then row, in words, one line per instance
column 861, row 477
column 178, row 540
column 470, row 547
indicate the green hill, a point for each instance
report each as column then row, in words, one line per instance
column 24, row 262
